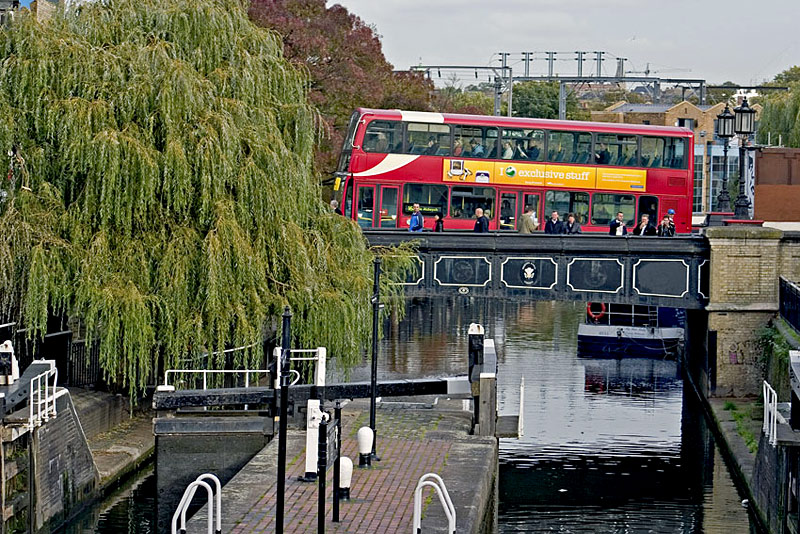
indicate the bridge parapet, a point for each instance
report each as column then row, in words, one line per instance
column 626, row 270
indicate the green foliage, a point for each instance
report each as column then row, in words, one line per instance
column 790, row 75
column 781, row 117
column 168, row 196
column 452, row 99
column 540, row 100
column 775, row 357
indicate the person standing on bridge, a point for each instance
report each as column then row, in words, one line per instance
column 665, row 229
column 617, row 226
column 644, row 228
column 571, row 226
column 438, row 222
column 481, row 222
column 416, row 223
column 554, row 224
column 528, row 222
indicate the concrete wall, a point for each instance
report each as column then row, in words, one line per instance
column 181, row 458
column 66, row 475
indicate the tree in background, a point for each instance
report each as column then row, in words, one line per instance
column 540, row 100
column 472, row 100
column 163, row 190
column 345, row 63
column 780, row 118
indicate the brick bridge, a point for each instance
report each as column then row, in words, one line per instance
column 726, row 278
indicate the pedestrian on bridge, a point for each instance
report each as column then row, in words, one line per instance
column 417, row 222
column 617, row 226
column 644, row 228
column 481, row 222
column 528, row 223
column 666, row 228
column 571, row 226
column 554, row 224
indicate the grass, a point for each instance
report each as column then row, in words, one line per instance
column 745, row 421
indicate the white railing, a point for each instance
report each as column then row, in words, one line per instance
column 214, row 512
column 42, row 396
column 444, row 498
column 205, row 373
column 770, row 414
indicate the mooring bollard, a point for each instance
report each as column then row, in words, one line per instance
column 322, row 466
column 346, row 478
column 364, row 438
column 475, row 336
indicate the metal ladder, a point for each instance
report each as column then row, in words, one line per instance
column 186, row 500
column 441, row 490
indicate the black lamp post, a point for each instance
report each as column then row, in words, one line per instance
column 744, row 126
column 725, row 131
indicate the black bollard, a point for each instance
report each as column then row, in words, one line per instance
column 322, row 466
column 337, row 414
column 284, row 364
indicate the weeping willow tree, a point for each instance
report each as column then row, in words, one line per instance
column 161, row 189
column 780, row 118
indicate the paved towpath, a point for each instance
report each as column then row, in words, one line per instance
column 411, row 442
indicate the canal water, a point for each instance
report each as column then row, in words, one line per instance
column 610, row 446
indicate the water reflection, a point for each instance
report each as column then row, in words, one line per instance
column 610, row 446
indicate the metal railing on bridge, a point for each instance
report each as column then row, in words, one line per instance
column 598, row 268
column 790, row 302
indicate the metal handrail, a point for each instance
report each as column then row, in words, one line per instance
column 186, row 500
column 444, row 498
column 770, row 426
column 206, row 372
column 36, row 401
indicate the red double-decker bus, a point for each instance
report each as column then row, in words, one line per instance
column 452, row 164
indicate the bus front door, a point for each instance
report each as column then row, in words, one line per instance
column 366, row 206
column 388, row 212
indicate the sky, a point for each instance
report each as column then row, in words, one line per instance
column 678, row 38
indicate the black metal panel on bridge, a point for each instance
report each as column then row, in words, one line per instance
column 630, row 270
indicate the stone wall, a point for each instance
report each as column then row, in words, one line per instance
column 745, row 265
column 66, row 475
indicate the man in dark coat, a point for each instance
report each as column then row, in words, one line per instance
column 553, row 224
column 571, row 226
column 617, row 226
column 481, row 222
column 644, row 227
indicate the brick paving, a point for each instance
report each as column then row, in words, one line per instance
column 381, row 497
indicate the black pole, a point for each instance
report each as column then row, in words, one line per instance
column 724, row 198
column 337, row 414
column 373, row 389
column 742, row 205
column 322, row 466
column 285, row 365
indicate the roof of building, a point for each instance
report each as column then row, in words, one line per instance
column 653, row 108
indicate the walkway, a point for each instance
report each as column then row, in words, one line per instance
column 411, row 442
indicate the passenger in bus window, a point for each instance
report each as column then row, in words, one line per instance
column 382, row 144
column 508, row 152
column 519, row 150
column 534, row 150
column 458, row 147
column 602, row 156
column 432, row 147
column 476, row 149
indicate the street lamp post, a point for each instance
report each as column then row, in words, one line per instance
column 725, row 122
column 744, row 126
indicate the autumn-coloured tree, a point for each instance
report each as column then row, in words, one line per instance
column 345, row 63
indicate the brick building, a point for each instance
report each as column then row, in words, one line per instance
column 708, row 149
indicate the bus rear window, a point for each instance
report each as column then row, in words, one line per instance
column 664, row 153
